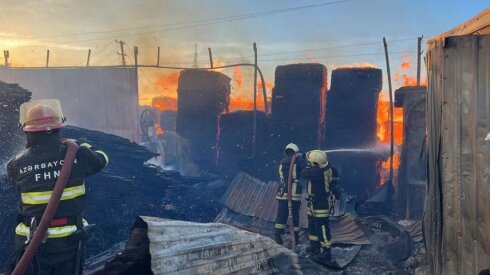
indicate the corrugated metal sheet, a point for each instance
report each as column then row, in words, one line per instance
column 457, row 212
column 256, row 200
column 179, row 247
column 102, row 99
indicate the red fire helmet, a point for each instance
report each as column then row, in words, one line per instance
column 41, row 115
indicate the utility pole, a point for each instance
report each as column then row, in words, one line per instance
column 254, row 137
column 136, row 56
column 195, row 55
column 6, row 56
column 210, row 58
column 47, row 59
column 158, row 57
column 419, row 54
column 122, row 54
column 392, row 137
column 88, row 57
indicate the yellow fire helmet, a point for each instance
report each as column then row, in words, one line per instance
column 317, row 158
column 293, row 147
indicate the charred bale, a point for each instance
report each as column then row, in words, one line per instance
column 298, row 108
column 202, row 97
column 236, row 140
column 168, row 120
column 351, row 111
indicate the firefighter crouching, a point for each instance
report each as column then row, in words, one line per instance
column 322, row 190
column 34, row 172
column 282, row 193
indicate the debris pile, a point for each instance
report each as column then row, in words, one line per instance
column 11, row 97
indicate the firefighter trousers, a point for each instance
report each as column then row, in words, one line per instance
column 283, row 213
column 319, row 231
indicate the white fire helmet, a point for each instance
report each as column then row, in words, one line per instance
column 293, row 147
column 317, row 158
column 41, row 115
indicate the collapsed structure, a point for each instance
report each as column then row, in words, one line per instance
column 457, row 216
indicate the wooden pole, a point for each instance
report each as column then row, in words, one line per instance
column 88, row 57
column 392, row 137
column 419, row 54
column 210, row 58
column 158, row 56
column 254, row 136
column 6, row 56
column 123, row 55
column 136, row 56
column 47, row 58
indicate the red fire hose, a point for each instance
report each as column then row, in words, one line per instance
column 51, row 208
column 290, row 202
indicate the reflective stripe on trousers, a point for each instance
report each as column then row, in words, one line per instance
column 53, row 232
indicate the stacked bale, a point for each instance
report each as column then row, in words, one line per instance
column 236, row 140
column 298, row 104
column 202, row 97
column 351, row 110
column 11, row 97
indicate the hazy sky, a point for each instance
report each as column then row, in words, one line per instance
column 286, row 31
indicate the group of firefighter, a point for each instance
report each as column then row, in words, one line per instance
column 322, row 190
column 51, row 232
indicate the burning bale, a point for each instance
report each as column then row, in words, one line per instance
column 351, row 123
column 202, row 97
column 412, row 173
column 11, row 97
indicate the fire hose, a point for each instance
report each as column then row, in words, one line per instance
column 290, row 202
column 54, row 200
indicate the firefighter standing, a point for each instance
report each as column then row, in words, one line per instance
column 34, row 172
column 322, row 190
column 282, row 192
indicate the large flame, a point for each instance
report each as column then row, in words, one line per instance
column 384, row 133
column 160, row 104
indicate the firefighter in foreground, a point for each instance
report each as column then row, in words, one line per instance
column 322, row 189
column 282, row 193
column 34, row 172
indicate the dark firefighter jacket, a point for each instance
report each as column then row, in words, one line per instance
column 35, row 171
column 284, row 165
column 322, row 185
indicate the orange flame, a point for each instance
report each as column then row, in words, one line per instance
column 355, row 65
column 160, row 104
column 401, row 75
column 384, row 133
column 163, row 103
column 238, row 77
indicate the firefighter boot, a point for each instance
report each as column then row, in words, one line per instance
column 278, row 238
column 325, row 256
column 313, row 251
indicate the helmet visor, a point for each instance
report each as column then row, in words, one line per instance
column 40, row 112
